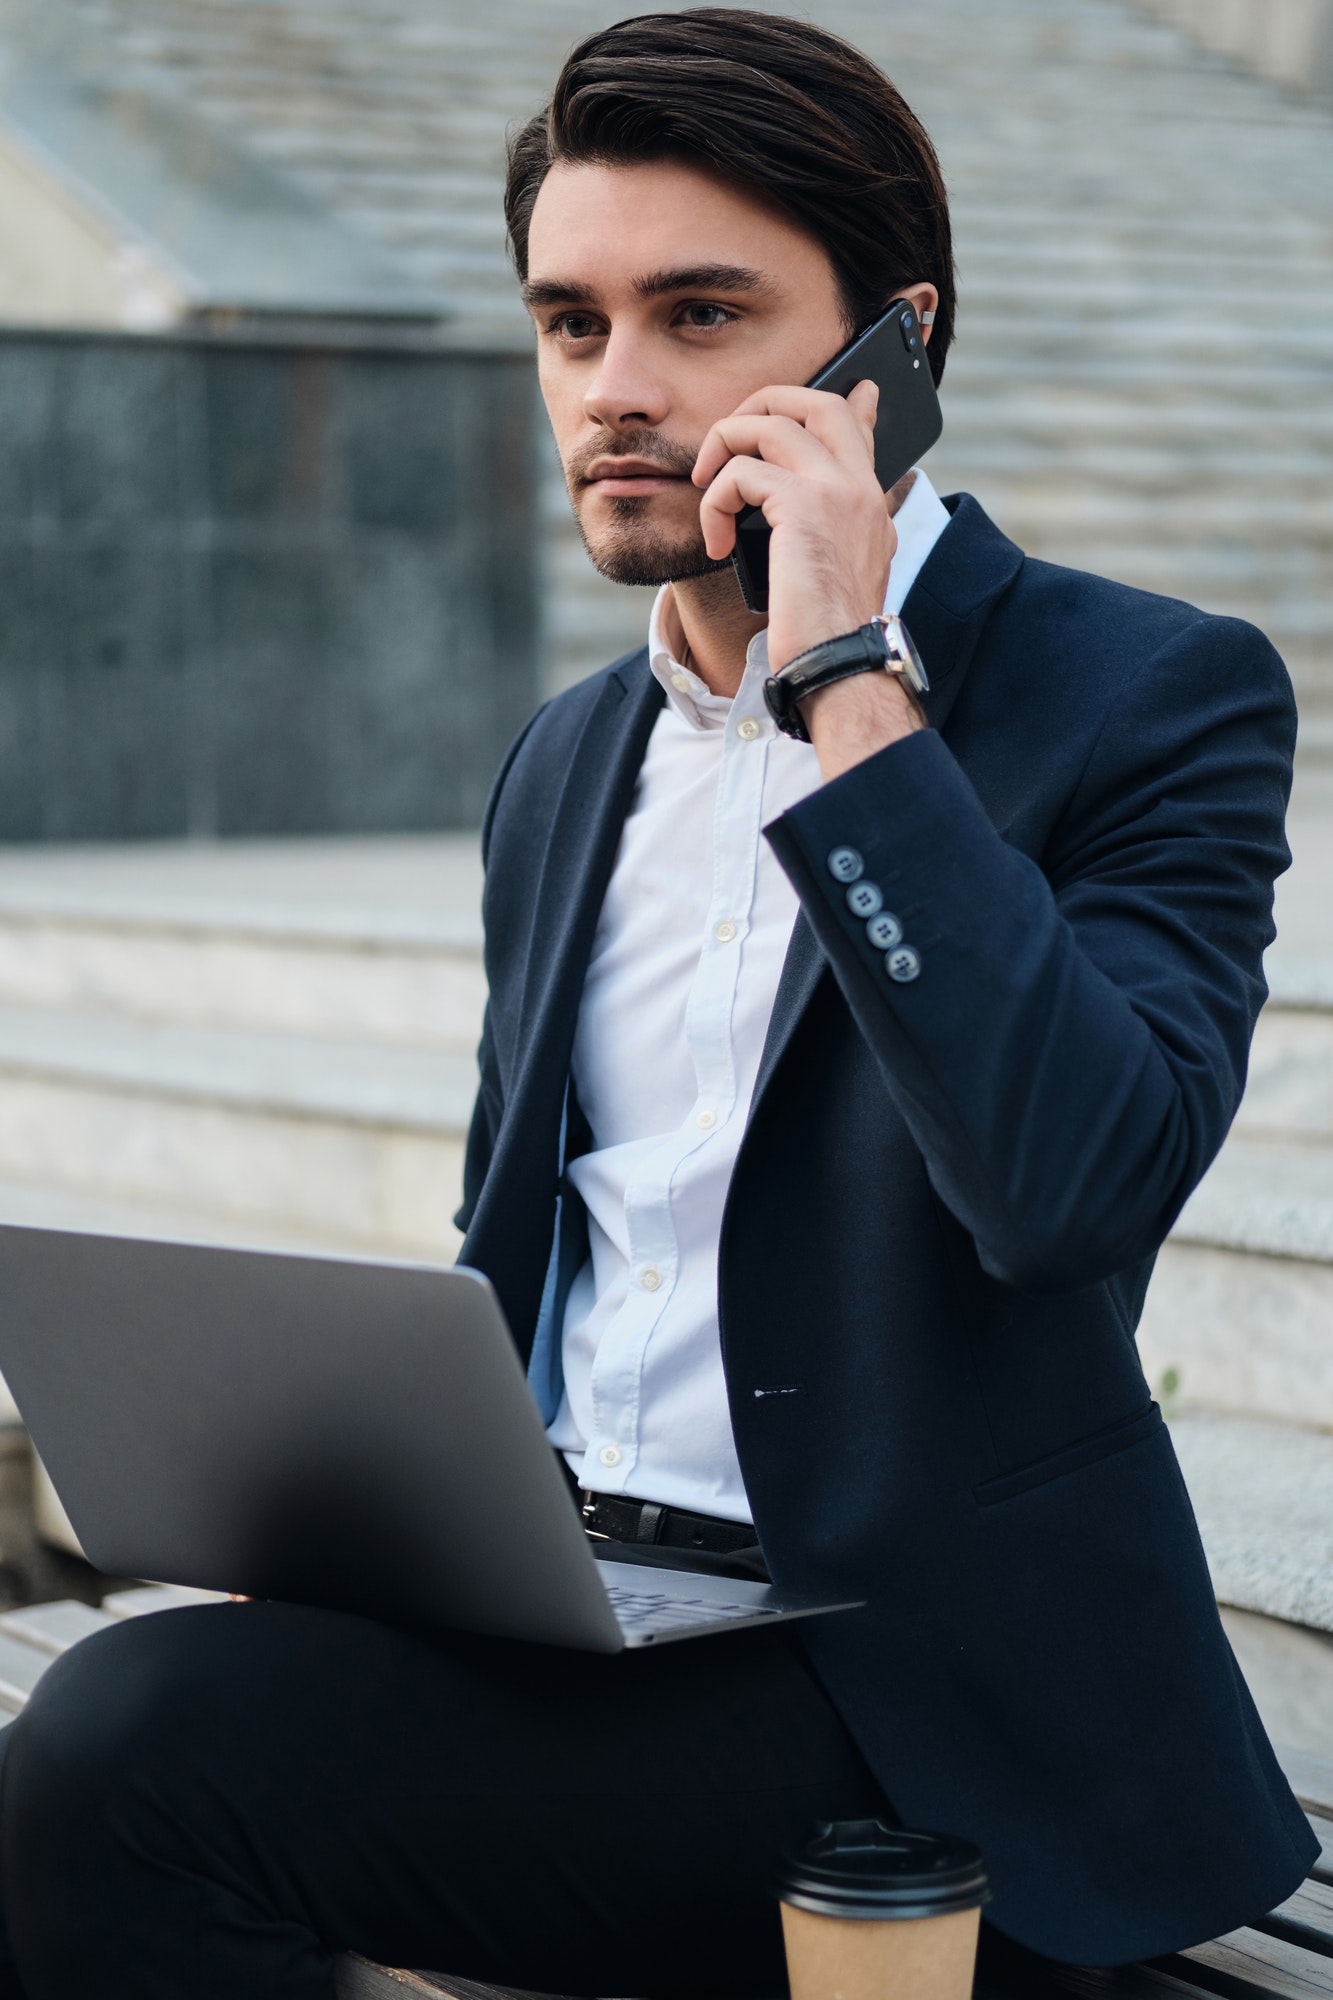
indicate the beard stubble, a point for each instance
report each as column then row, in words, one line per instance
column 632, row 550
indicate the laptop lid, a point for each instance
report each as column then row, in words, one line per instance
column 331, row 1431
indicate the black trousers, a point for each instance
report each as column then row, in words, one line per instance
column 211, row 1803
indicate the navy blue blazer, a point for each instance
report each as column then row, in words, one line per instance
column 946, row 1207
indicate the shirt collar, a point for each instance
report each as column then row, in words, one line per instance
column 920, row 522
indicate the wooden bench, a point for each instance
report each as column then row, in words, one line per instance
column 1287, row 1955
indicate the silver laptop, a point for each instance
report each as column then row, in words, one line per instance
column 329, row 1431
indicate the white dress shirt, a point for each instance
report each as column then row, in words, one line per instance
column 680, row 985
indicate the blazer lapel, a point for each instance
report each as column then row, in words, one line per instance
column 968, row 569
column 580, row 852
column 802, row 969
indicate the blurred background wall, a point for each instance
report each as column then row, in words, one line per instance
column 1142, row 238
column 285, row 551
column 253, row 586
column 267, row 532
column 1290, row 41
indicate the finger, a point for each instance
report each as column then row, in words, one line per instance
column 744, row 482
column 779, row 440
column 787, row 399
column 836, row 421
column 863, row 403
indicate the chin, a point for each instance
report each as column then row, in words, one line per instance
column 634, row 551
column 629, row 547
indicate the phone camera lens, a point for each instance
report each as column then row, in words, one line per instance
column 908, row 325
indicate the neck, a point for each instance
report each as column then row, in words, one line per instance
column 713, row 627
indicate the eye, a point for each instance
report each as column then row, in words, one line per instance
column 573, row 326
column 706, row 314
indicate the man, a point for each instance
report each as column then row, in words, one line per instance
column 835, row 1098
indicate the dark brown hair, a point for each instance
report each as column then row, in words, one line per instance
column 775, row 106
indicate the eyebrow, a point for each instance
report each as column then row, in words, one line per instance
column 653, row 285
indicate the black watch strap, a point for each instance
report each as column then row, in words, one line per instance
column 881, row 645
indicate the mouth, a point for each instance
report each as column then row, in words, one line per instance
column 630, row 478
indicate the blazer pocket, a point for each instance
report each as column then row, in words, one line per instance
column 1074, row 1458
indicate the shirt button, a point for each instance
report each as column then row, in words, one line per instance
column 681, row 683
column 748, row 729
column 609, row 1454
column 864, row 899
column 884, row 931
column 650, row 1280
column 706, row 1120
column 845, row 865
column 903, row 965
column 725, row 931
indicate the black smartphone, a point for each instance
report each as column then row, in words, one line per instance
column 891, row 352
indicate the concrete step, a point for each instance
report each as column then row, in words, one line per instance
column 357, row 1144
column 44, row 1207
column 1241, row 1303
column 262, row 1041
column 378, row 940
column 1289, row 1091
column 1263, row 1495
column 1289, row 1671
column 1263, row 1195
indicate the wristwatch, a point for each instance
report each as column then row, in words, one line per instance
column 883, row 645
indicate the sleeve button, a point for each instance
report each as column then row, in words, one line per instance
column 903, row 965
column 864, row 899
column 884, row 931
column 845, row 865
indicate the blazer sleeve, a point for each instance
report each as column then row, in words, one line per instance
column 1072, row 1052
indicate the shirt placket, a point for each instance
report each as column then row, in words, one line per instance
column 654, row 1264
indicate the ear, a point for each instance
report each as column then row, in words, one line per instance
column 925, row 299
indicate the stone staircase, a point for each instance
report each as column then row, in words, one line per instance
column 1241, row 1305
column 1142, row 375
column 268, row 1043
column 265, row 1042
column 273, row 1043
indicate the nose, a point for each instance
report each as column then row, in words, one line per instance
column 627, row 392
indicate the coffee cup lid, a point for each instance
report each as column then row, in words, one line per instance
column 862, row 1868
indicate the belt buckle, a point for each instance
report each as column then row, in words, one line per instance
column 588, row 1509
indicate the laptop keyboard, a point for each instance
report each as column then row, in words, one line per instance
column 658, row 1609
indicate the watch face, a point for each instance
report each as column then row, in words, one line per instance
column 898, row 640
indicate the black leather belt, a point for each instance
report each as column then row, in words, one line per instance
column 608, row 1517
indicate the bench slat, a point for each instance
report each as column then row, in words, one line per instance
column 21, row 1667
column 355, row 1978
column 158, row 1597
column 54, row 1628
column 1310, row 1777
column 468, row 1989
column 1305, row 1919
column 1323, row 1831
column 1107, row 1982
column 1248, row 1965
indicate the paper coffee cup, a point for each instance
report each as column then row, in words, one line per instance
column 871, row 1912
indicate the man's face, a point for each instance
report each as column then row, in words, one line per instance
column 662, row 299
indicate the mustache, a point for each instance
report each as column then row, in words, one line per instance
column 646, row 444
